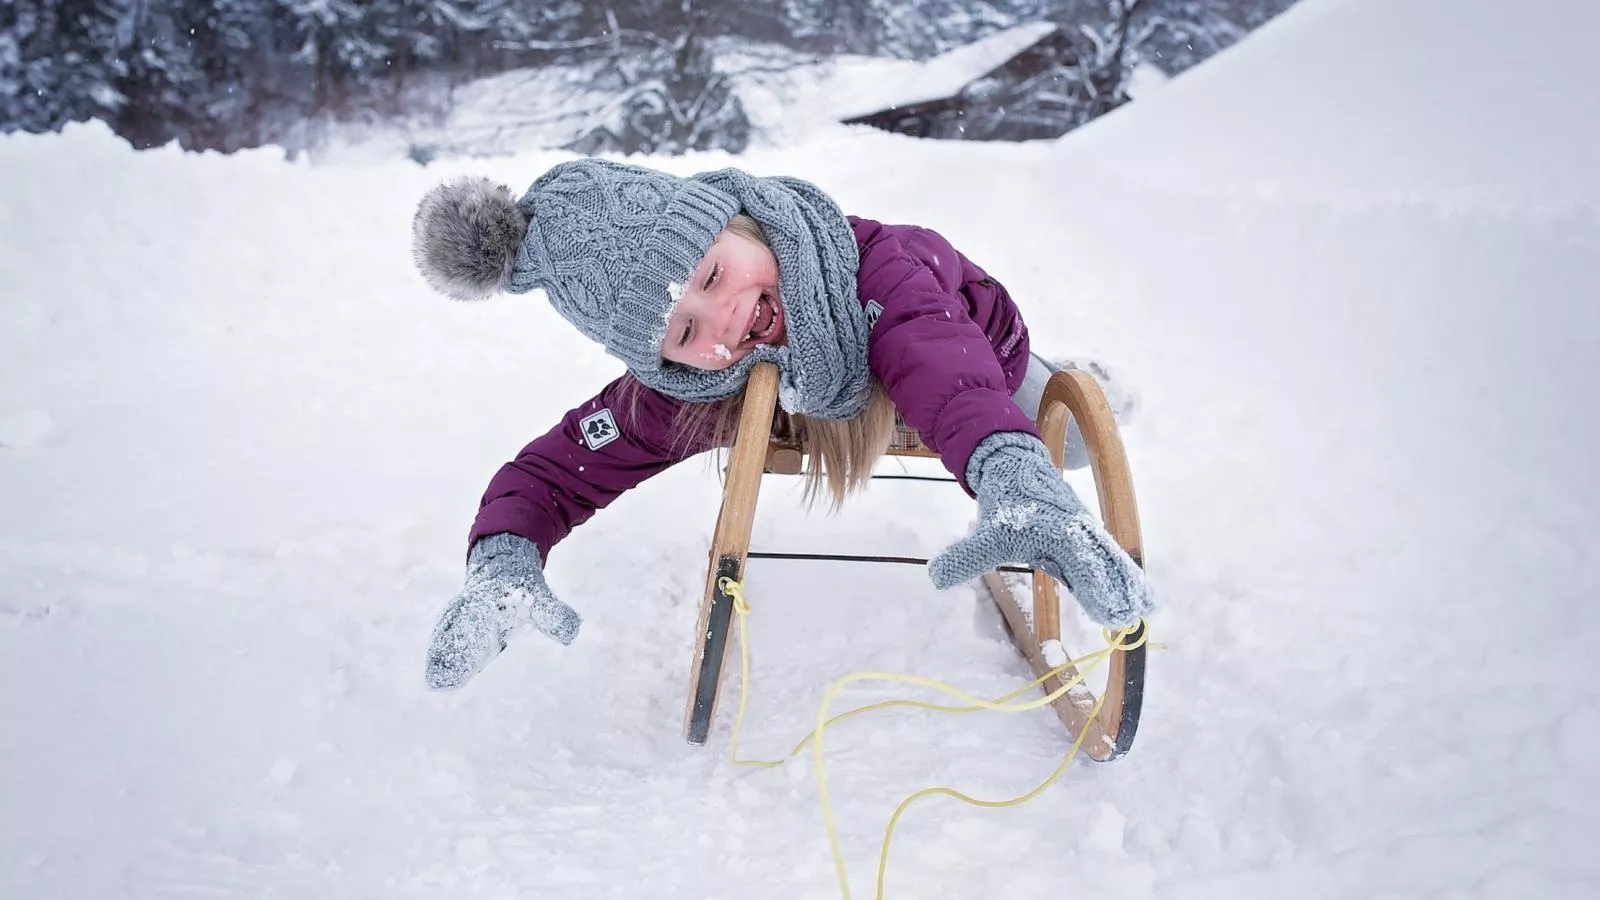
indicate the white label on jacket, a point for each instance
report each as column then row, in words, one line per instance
column 599, row 429
column 874, row 310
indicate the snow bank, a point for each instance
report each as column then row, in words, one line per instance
column 1401, row 101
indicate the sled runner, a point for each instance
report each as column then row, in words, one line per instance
column 1036, row 629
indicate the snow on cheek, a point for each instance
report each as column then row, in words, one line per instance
column 722, row 352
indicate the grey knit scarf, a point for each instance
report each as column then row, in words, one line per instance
column 823, row 368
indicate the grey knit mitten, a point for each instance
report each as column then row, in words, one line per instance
column 505, row 591
column 1029, row 516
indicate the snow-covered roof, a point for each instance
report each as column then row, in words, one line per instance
column 946, row 74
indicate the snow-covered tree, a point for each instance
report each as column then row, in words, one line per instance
column 908, row 29
column 59, row 61
column 672, row 98
column 1089, row 70
column 1175, row 35
column 232, row 73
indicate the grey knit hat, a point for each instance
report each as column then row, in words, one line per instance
column 613, row 246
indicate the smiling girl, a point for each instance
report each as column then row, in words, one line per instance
column 732, row 305
column 690, row 282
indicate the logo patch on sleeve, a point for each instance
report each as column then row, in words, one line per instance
column 874, row 310
column 599, row 429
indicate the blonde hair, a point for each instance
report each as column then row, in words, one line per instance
column 841, row 453
column 746, row 227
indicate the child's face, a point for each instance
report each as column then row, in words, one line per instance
column 729, row 307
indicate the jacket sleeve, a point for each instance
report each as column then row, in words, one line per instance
column 619, row 438
column 937, row 365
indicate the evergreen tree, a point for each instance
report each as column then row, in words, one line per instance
column 59, row 61
column 160, row 80
column 1178, row 34
column 672, row 97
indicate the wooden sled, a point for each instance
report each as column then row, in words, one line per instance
column 756, row 452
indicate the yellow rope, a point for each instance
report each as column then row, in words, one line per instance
column 1114, row 643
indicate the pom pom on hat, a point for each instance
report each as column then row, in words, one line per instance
column 465, row 236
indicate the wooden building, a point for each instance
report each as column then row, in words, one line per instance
column 1015, row 85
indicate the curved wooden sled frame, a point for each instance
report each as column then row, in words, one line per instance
column 1069, row 394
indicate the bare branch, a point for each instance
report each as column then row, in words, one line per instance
column 613, row 39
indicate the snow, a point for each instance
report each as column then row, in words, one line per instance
column 25, row 428
column 1016, row 516
column 1055, row 655
column 1145, row 80
column 548, row 106
column 1356, row 304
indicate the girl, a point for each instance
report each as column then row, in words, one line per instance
column 691, row 282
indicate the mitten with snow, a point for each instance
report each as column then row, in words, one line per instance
column 505, row 592
column 1029, row 516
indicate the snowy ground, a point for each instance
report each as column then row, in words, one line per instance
column 240, row 445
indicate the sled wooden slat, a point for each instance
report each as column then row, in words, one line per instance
column 1119, row 514
column 1068, row 395
column 730, row 542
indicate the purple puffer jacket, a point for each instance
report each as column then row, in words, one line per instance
column 949, row 346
